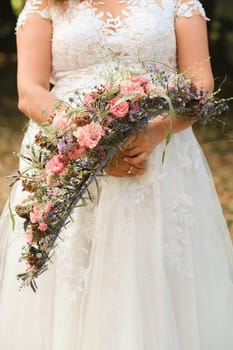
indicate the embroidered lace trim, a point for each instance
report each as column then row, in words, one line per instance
column 186, row 8
column 183, row 8
column 33, row 6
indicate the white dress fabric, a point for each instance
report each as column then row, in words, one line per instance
column 149, row 266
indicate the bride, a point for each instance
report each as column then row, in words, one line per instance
column 150, row 266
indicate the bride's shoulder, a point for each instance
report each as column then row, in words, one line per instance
column 37, row 5
column 43, row 8
column 188, row 8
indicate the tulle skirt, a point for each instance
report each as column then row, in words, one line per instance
column 148, row 265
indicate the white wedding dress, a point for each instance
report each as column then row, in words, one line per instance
column 150, row 265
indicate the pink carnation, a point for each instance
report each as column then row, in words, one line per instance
column 149, row 87
column 60, row 120
column 89, row 135
column 49, row 208
column 55, row 165
column 29, row 235
column 43, row 226
column 35, row 215
column 119, row 110
column 140, row 79
column 76, row 152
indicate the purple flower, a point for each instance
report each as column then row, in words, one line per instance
column 61, row 146
column 68, row 139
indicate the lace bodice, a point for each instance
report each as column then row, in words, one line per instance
column 145, row 31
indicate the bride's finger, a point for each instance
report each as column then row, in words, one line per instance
column 127, row 148
column 131, row 142
column 133, row 171
column 137, row 159
column 133, row 152
column 140, row 166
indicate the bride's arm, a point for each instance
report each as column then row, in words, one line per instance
column 192, row 57
column 193, row 60
column 34, row 66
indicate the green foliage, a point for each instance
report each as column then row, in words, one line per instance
column 17, row 5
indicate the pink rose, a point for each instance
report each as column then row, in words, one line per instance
column 119, row 110
column 42, row 226
column 133, row 88
column 89, row 135
column 60, row 120
column 88, row 100
column 55, row 165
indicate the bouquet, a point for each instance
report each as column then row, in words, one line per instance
column 71, row 150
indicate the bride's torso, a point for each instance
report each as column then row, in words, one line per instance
column 83, row 36
column 84, row 41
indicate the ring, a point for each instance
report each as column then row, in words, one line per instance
column 130, row 170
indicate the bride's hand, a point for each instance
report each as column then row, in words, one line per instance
column 139, row 146
column 130, row 160
column 118, row 167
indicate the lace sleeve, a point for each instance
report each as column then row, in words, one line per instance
column 32, row 6
column 186, row 8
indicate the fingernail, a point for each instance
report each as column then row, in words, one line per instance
column 126, row 159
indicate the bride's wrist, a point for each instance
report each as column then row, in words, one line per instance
column 158, row 129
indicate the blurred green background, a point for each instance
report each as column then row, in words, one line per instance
column 217, row 143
